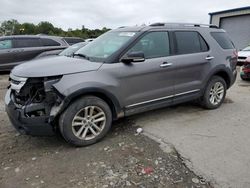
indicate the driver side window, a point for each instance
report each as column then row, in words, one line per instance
column 153, row 45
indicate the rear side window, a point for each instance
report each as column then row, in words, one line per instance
column 5, row 44
column 27, row 42
column 49, row 42
column 188, row 42
column 223, row 40
column 72, row 41
column 153, row 45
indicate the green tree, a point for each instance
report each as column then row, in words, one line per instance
column 9, row 26
column 28, row 28
column 44, row 28
column 12, row 27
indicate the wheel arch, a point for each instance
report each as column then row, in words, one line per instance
column 223, row 73
column 109, row 98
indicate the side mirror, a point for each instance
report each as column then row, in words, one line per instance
column 133, row 57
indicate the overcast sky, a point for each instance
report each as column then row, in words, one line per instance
column 112, row 13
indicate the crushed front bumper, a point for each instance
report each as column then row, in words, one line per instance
column 35, row 126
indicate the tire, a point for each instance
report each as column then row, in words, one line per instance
column 212, row 99
column 86, row 121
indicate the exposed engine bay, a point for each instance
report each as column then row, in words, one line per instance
column 35, row 96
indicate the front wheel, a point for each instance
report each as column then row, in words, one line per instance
column 86, row 121
column 215, row 93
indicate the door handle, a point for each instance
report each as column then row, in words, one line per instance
column 165, row 64
column 209, row 57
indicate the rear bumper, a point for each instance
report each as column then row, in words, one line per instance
column 35, row 126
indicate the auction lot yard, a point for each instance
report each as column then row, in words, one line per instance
column 213, row 144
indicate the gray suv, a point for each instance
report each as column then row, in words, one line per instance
column 126, row 71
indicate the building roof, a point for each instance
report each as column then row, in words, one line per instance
column 230, row 10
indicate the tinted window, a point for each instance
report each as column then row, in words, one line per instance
column 27, row 42
column 189, row 42
column 223, row 40
column 5, row 44
column 154, row 44
column 49, row 42
column 72, row 41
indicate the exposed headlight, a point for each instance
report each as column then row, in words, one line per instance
column 50, row 81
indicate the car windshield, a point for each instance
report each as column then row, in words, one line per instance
column 72, row 49
column 246, row 49
column 105, row 45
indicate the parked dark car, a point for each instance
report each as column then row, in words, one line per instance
column 123, row 72
column 245, row 70
column 66, row 52
column 73, row 40
column 17, row 49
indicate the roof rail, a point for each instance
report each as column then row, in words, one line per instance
column 184, row 25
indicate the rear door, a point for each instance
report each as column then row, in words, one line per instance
column 27, row 48
column 6, row 53
column 190, row 60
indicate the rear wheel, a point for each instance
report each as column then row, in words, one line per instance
column 215, row 93
column 86, row 121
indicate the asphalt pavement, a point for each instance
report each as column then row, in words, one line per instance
column 213, row 143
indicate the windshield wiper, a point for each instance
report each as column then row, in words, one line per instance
column 81, row 55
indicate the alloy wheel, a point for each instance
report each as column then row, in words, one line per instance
column 89, row 122
column 216, row 93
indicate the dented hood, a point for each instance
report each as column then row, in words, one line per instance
column 53, row 66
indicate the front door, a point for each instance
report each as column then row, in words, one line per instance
column 150, row 82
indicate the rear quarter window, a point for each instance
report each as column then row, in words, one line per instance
column 72, row 41
column 49, row 42
column 223, row 40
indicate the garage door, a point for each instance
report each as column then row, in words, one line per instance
column 238, row 28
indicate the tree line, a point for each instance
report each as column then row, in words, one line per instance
column 13, row 27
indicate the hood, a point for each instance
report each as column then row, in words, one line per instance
column 244, row 53
column 53, row 66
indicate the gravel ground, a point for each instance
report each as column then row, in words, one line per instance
column 122, row 159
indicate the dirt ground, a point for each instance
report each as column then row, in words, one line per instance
column 122, row 159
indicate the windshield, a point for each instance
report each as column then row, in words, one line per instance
column 246, row 49
column 72, row 49
column 105, row 45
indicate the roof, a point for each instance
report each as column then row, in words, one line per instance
column 230, row 10
column 156, row 26
column 30, row 36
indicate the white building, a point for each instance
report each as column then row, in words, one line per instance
column 236, row 22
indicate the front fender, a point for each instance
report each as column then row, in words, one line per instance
column 74, row 87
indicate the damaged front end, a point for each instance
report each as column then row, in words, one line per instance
column 32, row 104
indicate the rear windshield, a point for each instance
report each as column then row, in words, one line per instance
column 223, row 40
